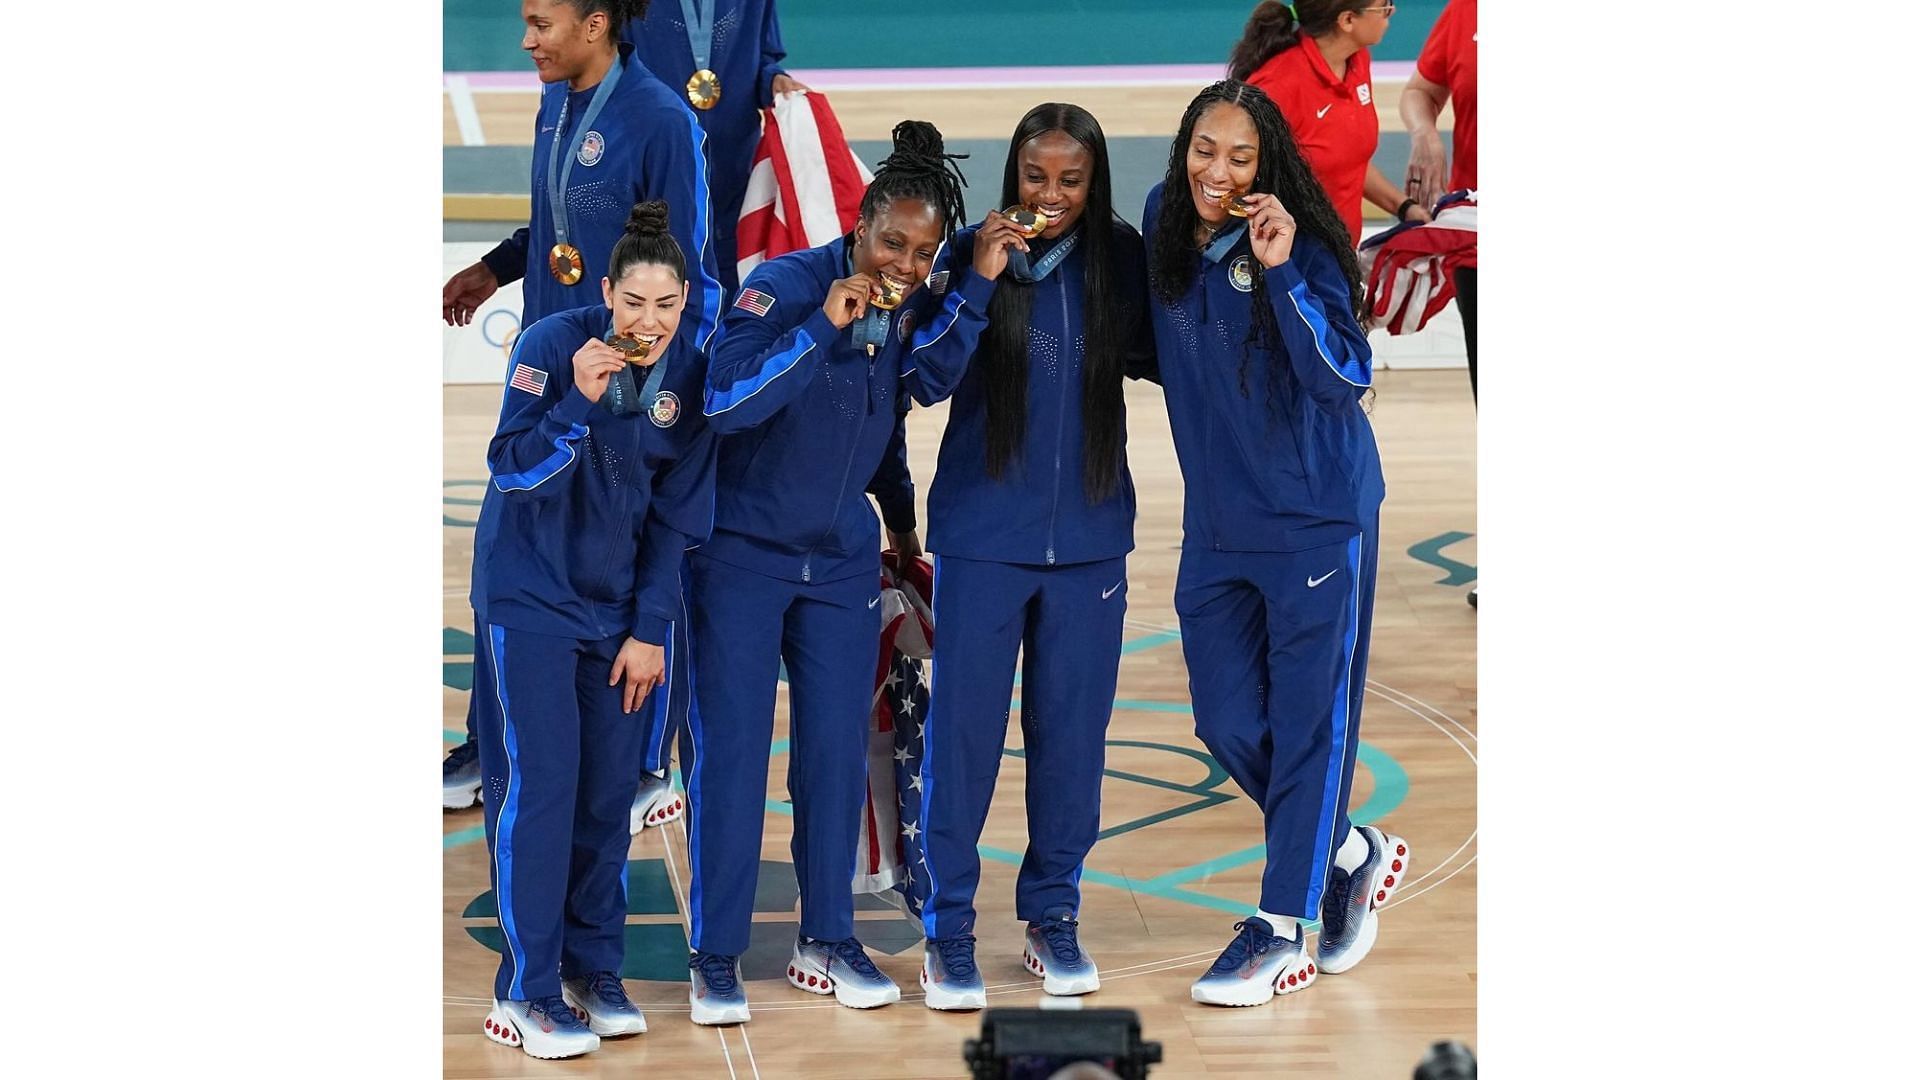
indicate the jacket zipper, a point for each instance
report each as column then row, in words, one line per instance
column 1060, row 419
column 626, row 500
column 806, row 565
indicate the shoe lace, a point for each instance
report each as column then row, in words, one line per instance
column 1333, row 907
column 1061, row 938
column 555, row 1008
column 854, row 956
column 956, row 954
column 460, row 756
column 716, row 971
column 1251, row 941
column 606, row 986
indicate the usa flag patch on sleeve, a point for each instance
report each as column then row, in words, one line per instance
column 755, row 301
column 937, row 284
column 531, row 379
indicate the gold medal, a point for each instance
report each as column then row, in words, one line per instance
column 634, row 349
column 1236, row 205
column 563, row 262
column 887, row 293
column 703, row 90
column 1028, row 220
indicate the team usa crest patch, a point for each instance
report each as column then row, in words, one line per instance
column 592, row 148
column 531, row 379
column 1241, row 274
column 666, row 409
column 755, row 301
column 906, row 326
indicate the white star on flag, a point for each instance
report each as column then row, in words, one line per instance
column 915, row 782
column 910, row 829
column 901, row 755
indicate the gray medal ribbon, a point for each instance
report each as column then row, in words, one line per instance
column 1028, row 273
column 1223, row 243
column 700, row 32
column 558, row 173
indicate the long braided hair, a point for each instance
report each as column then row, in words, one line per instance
column 919, row 168
column 1281, row 171
column 1004, row 349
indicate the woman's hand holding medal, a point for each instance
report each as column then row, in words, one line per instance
column 847, row 300
column 998, row 233
column 1270, row 228
column 593, row 365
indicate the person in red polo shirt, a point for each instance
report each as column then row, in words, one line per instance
column 1311, row 59
column 1449, row 66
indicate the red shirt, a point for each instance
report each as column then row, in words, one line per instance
column 1332, row 119
column 1452, row 60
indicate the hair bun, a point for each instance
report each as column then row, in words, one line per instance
column 648, row 218
column 919, row 139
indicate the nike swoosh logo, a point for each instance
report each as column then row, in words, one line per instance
column 873, row 601
column 1116, row 586
column 1323, row 110
column 1314, row 582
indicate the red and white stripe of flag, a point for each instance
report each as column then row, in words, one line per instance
column 806, row 183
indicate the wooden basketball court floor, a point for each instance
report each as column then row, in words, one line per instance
column 1179, row 858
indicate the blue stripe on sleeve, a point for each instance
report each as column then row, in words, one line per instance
column 719, row 401
column 1308, row 308
column 563, row 455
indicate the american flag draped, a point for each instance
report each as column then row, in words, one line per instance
column 890, row 855
column 1409, row 268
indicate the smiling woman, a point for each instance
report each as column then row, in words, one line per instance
column 575, row 606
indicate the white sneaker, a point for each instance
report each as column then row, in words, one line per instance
column 544, row 1028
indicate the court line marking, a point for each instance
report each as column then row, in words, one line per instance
column 686, row 918
column 460, row 92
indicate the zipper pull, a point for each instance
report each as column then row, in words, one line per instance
column 869, row 350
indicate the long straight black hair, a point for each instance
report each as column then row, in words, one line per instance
column 1004, row 350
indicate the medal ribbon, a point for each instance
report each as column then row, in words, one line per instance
column 1223, row 243
column 1022, row 271
column 558, row 173
column 700, row 32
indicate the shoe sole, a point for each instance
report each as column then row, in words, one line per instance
column 459, row 798
column 806, row 975
column 663, row 809
column 1385, row 880
column 711, row 1016
column 1061, row 985
column 501, row 1027
column 1291, row 979
column 603, row 1028
column 950, row 1001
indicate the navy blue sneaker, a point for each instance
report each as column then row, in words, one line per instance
column 601, row 1000
column 460, row 777
column 840, row 968
column 1349, row 919
column 1255, row 966
column 1053, row 952
column 717, row 996
column 950, row 977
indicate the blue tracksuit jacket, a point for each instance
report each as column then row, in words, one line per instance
column 588, row 514
column 746, row 56
column 1291, row 464
column 650, row 147
column 1037, row 512
column 814, row 420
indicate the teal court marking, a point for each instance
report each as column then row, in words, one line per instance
column 449, row 500
column 1428, row 551
column 1390, row 786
